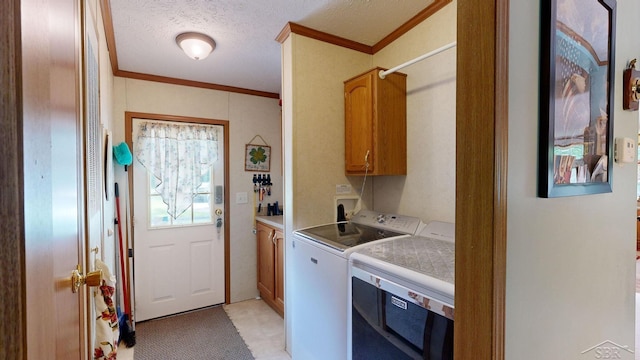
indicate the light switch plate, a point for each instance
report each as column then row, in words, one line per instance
column 625, row 150
column 241, row 198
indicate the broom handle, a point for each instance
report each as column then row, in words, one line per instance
column 122, row 269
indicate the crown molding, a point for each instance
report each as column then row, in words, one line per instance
column 191, row 83
column 413, row 22
column 292, row 27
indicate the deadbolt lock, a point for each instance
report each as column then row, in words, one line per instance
column 93, row 278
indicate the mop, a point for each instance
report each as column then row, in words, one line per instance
column 123, row 156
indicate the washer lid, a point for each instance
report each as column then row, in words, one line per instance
column 342, row 236
column 427, row 256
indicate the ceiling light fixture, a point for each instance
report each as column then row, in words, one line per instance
column 196, row 45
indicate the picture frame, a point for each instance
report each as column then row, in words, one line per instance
column 257, row 158
column 577, row 67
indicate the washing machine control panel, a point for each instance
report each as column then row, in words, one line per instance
column 392, row 222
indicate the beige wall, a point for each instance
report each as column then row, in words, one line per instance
column 248, row 116
column 570, row 261
column 428, row 190
column 317, row 125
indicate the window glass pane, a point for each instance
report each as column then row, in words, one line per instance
column 153, row 183
column 158, row 212
column 198, row 213
column 205, row 187
column 184, row 218
column 201, row 209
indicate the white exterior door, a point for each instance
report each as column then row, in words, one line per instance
column 178, row 263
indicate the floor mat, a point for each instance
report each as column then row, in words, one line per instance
column 201, row 334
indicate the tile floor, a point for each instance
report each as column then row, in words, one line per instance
column 125, row 353
column 261, row 328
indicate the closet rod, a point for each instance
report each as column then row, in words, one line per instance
column 382, row 74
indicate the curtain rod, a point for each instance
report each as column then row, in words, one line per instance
column 382, row 74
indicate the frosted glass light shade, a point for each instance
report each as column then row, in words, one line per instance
column 196, row 45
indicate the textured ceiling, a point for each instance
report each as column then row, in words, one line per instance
column 247, row 54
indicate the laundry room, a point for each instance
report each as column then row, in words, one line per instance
column 82, row 73
column 306, row 137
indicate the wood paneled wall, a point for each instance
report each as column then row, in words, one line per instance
column 12, row 293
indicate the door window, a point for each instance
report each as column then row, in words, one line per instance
column 200, row 212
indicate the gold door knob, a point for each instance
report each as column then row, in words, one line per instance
column 93, row 278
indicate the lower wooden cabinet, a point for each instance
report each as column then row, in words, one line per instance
column 271, row 266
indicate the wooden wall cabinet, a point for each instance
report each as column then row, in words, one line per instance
column 376, row 124
column 271, row 266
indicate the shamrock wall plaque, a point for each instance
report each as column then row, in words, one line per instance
column 257, row 158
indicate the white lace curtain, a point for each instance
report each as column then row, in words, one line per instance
column 177, row 155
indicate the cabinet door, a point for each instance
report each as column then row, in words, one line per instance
column 266, row 274
column 279, row 269
column 359, row 124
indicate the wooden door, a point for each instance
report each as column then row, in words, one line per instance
column 279, row 270
column 266, row 276
column 52, row 181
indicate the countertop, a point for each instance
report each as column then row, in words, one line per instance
column 273, row 221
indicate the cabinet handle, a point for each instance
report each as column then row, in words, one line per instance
column 315, row 261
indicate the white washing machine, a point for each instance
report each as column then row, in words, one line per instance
column 320, row 279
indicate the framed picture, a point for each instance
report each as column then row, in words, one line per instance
column 576, row 97
column 257, row 158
